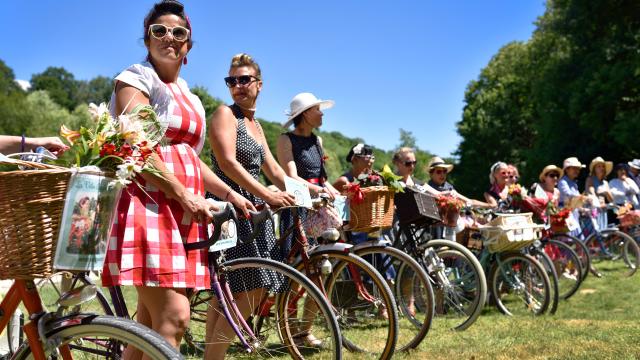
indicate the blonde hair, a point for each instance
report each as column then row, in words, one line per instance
column 403, row 150
column 494, row 169
column 243, row 59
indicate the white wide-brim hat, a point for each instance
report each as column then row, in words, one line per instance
column 635, row 163
column 572, row 162
column 608, row 165
column 302, row 102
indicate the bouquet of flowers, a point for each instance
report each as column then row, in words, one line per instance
column 516, row 192
column 558, row 219
column 449, row 207
column 121, row 145
column 375, row 178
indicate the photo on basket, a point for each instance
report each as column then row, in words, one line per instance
column 86, row 221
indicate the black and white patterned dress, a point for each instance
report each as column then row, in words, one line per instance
column 251, row 155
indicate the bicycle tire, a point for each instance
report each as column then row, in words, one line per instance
column 540, row 282
column 461, row 282
column 546, row 262
column 412, row 328
column 116, row 332
column 344, row 297
column 570, row 266
column 277, row 334
column 581, row 249
column 619, row 245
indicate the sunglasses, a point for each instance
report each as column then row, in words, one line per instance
column 439, row 171
column 366, row 157
column 516, row 177
column 243, row 80
column 553, row 175
column 410, row 163
column 179, row 33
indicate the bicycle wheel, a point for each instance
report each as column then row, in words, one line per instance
column 549, row 267
column 412, row 290
column 581, row 250
column 520, row 285
column 567, row 265
column 300, row 309
column 362, row 300
column 613, row 252
column 91, row 336
column 460, row 285
column 52, row 287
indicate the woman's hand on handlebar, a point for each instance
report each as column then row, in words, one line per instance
column 280, row 199
column 197, row 206
column 241, row 203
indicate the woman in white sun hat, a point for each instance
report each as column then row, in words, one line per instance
column 300, row 151
column 597, row 186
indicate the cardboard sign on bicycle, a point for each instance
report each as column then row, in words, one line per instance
column 299, row 190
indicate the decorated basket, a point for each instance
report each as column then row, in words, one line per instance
column 630, row 218
column 375, row 212
column 509, row 232
column 415, row 207
column 32, row 211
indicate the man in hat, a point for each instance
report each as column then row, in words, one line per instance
column 634, row 169
column 438, row 171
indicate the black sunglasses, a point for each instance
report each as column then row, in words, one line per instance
column 410, row 163
column 243, row 80
column 553, row 175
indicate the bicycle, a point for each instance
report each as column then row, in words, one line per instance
column 66, row 331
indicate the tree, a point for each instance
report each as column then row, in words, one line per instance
column 407, row 139
column 96, row 90
column 59, row 83
column 209, row 102
column 7, row 80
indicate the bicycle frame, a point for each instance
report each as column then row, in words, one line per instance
column 25, row 291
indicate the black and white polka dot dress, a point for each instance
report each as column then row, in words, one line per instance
column 251, row 155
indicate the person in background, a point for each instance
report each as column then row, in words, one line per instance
column 597, row 186
column 549, row 177
column 300, row 152
column 14, row 144
column 514, row 174
column 361, row 159
column 623, row 189
column 405, row 163
column 239, row 154
column 438, row 171
column 498, row 177
column 634, row 172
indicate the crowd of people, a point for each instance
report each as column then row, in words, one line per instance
column 158, row 214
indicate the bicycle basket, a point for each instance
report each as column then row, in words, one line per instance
column 415, row 207
column 31, row 210
column 374, row 213
column 510, row 232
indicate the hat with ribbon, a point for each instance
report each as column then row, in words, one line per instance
column 550, row 168
column 608, row 165
column 437, row 162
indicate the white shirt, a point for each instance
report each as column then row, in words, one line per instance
column 626, row 191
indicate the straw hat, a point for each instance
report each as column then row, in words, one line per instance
column 549, row 168
column 437, row 162
column 572, row 162
column 608, row 165
column 302, row 102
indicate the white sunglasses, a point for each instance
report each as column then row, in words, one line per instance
column 179, row 33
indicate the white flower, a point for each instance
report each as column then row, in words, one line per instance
column 357, row 150
column 97, row 111
column 131, row 129
column 127, row 170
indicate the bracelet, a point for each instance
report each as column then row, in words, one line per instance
column 22, row 143
column 228, row 193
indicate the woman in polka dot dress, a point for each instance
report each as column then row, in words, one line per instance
column 240, row 152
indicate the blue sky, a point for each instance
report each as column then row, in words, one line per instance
column 387, row 64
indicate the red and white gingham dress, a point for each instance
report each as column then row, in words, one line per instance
column 146, row 244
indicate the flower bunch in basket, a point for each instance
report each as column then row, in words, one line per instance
column 558, row 219
column 449, row 207
column 516, row 192
column 375, row 178
column 119, row 145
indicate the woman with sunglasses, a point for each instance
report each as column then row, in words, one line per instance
column 547, row 187
column 239, row 153
column 498, row 177
column 159, row 212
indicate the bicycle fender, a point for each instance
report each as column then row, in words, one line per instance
column 369, row 243
column 344, row 247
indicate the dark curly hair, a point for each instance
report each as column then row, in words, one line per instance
column 166, row 7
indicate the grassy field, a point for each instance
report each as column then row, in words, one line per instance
column 600, row 322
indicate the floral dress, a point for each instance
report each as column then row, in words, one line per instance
column 146, row 247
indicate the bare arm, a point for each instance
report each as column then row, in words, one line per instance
column 223, row 137
column 13, row 144
column 215, row 185
column 490, row 200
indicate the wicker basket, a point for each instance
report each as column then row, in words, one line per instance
column 374, row 213
column 415, row 207
column 31, row 208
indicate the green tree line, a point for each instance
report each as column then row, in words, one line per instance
column 573, row 89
